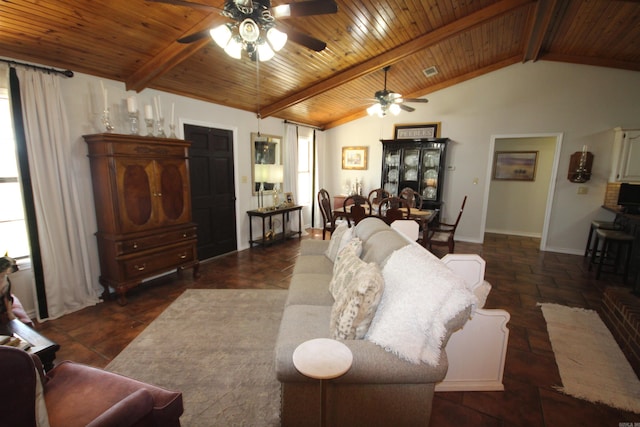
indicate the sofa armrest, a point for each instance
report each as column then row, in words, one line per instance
column 127, row 412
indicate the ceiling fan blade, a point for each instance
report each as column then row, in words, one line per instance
column 198, row 6
column 194, row 37
column 423, row 100
column 305, row 8
column 407, row 108
column 305, row 39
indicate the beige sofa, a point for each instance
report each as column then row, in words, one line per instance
column 380, row 388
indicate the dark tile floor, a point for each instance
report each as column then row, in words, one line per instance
column 521, row 276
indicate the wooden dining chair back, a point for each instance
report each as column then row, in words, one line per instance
column 324, row 203
column 357, row 207
column 443, row 234
column 390, row 209
column 413, row 197
column 376, row 196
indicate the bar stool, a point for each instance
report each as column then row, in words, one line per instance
column 621, row 241
column 598, row 225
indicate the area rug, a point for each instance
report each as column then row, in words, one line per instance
column 217, row 348
column 592, row 366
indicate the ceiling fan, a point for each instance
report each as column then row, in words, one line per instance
column 391, row 102
column 253, row 27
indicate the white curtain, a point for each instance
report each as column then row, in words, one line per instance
column 69, row 268
column 319, row 178
column 291, row 168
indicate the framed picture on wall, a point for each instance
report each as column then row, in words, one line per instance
column 417, row 131
column 354, row 158
column 515, row 165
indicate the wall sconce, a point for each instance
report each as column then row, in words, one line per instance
column 580, row 166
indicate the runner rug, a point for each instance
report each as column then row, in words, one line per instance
column 217, row 348
column 591, row 365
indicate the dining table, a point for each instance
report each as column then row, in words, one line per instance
column 422, row 216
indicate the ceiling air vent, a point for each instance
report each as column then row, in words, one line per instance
column 431, row 71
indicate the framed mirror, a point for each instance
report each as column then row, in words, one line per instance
column 266, row 163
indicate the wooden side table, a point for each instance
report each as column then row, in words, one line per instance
column 323, row 359
column 269, row 214
column 42, row 346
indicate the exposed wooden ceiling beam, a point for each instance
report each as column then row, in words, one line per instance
column 546, row 13
column 171, row 56
column 395, row 55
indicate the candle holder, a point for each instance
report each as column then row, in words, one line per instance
column 133, row 121
column 160, row 126
column 149, row 123
column 106, row 121
column 172, row 129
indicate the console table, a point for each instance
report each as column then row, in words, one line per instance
column 266, row 238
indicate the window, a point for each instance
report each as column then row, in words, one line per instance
column 13, row 231
column 305, row 170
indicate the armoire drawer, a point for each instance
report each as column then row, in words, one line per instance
column 158, row 261
column 139, row 244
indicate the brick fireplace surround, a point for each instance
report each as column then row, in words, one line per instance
column 621, row 313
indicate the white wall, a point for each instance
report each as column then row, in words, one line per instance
column 584, row 103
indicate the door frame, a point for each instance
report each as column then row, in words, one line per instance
column 234, row 130
column 552, row 182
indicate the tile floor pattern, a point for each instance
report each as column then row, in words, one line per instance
column 521, row 276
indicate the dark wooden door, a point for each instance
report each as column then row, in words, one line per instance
column 213, row 199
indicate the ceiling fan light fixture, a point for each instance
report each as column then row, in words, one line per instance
column 394, row 109
column 374, row 109
column 277, row 39
column 221, row 35
column 281, row 10
column 234, row 48
column 265, row 52
column 249, row 30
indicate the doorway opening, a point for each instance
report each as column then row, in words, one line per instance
column 522, row 207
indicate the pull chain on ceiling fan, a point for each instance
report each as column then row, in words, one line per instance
column 253, row 27
column 391, row 102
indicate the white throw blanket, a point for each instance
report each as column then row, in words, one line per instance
column 420, row 296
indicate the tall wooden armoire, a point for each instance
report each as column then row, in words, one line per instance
column 143, row 208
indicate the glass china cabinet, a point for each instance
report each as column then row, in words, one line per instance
column 418, row 164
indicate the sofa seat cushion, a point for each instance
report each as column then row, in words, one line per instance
column 313, row 264
column 371, row 363
column 310, row 288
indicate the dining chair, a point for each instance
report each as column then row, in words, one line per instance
column 356, row 207
column 443, row 233
column 375, row 197
column 390, row 209
column 413, row 197
column 324, row 203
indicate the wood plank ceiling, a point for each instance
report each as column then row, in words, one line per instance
column 134, row 41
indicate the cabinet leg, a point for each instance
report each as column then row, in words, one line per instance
column 122, row 299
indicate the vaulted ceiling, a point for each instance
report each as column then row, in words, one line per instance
column 135, row 41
